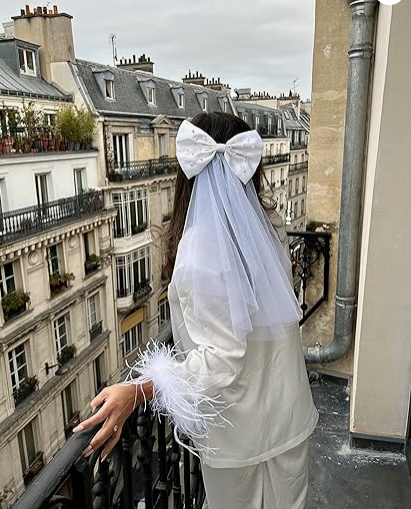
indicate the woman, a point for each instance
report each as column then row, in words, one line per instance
column 239, row 388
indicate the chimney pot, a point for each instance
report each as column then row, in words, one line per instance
column 22, row 12
column 39, row 10
column 129, row 60
column 55, row 9
column 50, row 12
column 134, row 59
column 28, row 10
column 44, row 10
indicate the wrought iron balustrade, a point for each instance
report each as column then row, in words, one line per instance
column 294, row 168
column 276, row 159
column 139, row 170
column 22, row 223
column 145, row 466
column 310, row 258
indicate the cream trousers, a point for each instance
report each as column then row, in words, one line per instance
column 279, row 483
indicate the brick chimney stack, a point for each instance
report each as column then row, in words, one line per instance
column 142, row 64
column 49, row 29
column 194, row 79
column 215, row 84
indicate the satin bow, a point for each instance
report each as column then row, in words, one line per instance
column 195, row 149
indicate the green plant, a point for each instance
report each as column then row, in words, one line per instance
column 14, row 303
column 66, row 354
column 60, row 281
column 86, row 123
column 28, row 385
column 31, row 118
column 139, row 228
column 66, row 123
column 92, row 263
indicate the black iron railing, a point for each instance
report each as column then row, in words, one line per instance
column 139, row 170
column 144, row 466
column 294, row 168
column 310, row 258
column 276, row 159
column 22, row 223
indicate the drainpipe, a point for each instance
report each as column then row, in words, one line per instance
column 359, row 72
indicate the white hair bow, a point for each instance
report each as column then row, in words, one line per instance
column 195, row 149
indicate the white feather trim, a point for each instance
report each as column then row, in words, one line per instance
column 181, row 398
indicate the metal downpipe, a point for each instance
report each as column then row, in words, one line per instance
column 359, row 70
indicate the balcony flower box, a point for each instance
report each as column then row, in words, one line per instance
column 67, row 354
column 92, row 264
column 34, row 468
column 74, row 421
column 27, row 387
column 139, row 228
column 14, row 304
column 59, row 282
column 141, row 290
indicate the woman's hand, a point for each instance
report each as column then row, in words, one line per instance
column 118, row 401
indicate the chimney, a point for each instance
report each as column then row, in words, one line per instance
column 41, row 27
column 195, row 79
column 215, row 84
column 142, row 64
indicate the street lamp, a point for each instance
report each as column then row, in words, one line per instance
column 61, row 371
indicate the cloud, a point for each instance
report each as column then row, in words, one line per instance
column 261, row 44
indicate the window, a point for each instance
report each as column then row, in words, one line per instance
column 132, row 212
column 282, row 175
column 27, row 446
column 27, row 61
column 257, row 122
column 205, row 103
column 121, row 150
column 272, row 177
column 281, row 201
column 50, row 119
column 109, row 88
column 162, row 145
column 166, row 202
column 133, row 271
column 18, row 366
column 225, row 106
column 270, row 125
column 295, row 159
column 99, row 378
column 79, row 180
column 53, row 259
column 290, row 188
column 61, row 332
column 297, row 186
column 151, row 92
column 302, row 207
column 244, row 116
column 7, row 280
column 164, row 310
column 303, row 184
column 93, row 311
column 42, row 189
column 296, row 209
column 272, row 149
column 68, row 398
column 131, row 340
column 181, row 100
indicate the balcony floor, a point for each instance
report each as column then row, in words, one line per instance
column 343, row 478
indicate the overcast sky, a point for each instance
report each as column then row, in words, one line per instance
column 258, row 44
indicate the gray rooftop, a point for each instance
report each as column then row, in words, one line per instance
column 130, row 98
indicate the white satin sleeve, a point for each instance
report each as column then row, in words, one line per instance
column 191, row 392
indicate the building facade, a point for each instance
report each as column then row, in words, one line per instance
column 58, row 329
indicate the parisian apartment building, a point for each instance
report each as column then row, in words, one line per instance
column 58, row 327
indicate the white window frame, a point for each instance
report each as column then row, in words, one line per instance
column 27, row 71
column 244, row 117
column 133, row 338
column 205, row 103
column 109, row 92
column 93, row 315
column 50, row 258
column 65, row 318
column 82, row 172
column 121, row 148
column 22, row 441
column 125, row 266
column 164, row 312
column 4, row 279
column 225, row 106
column 269, row 124
column 72, row 389
column 181, row 100
column 14, row 366
column 151, row 95
column 124, row 203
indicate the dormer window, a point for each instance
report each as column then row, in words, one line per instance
column 225, row 103
column 109, row 88
column 257, row 122
column 205, row 103
column 151, row 93
column 269, row 124
column 244, row 116
column 181, row 100
column 27, row 62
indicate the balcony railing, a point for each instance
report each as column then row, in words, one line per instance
column 96, row 330
column 298, row 146
column 144, row 466
column 294, row 168
column 276, row 159
column 139, row 170
column 22, row 223
column 147, row 463
column 310, row 258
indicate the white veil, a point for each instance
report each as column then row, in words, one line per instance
column 230, row 263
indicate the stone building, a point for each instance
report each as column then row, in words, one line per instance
column 58, row 327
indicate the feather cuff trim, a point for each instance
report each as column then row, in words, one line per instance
column 181, row 398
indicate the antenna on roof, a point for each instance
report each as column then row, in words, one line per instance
column 113, row 41
column 295, row 86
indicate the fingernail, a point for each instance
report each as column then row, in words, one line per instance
column 78, row 428
column 87, row 451
column 104, row 457
column 93, row 408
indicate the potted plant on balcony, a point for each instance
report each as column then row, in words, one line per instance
column 138, row 228
column 93, row 263
column 28, row 385
column 67, row 354
column 14, row 303
column 60, row 281
column 86, row 125
column 67, row 124
column 31, row 119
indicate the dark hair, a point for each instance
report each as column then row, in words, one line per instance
column 221, row 127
